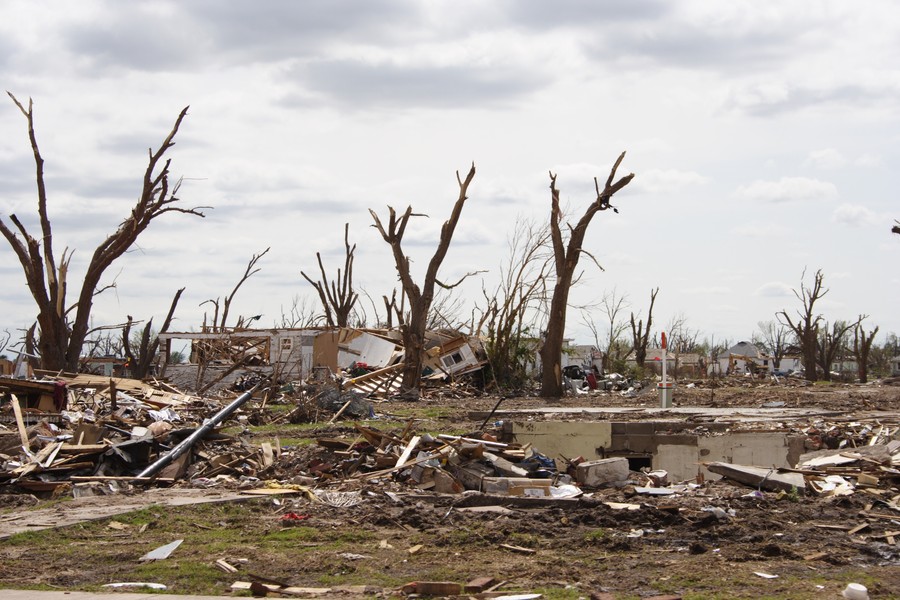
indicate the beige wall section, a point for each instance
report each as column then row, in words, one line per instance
column 753, row 449
column 564, row 438
column 679, row 460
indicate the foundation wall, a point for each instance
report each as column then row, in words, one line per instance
column 674, row 446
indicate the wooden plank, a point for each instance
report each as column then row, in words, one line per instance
column 408, row 450
column 858, row 528
column 226, row 566
column 479, row 584
column 83, row 448
column 518, row 549
column 20, row 423
column 119, row 478
column 341, row 411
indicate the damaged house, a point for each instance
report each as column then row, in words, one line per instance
column 356, row 353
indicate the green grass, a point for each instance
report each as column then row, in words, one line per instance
column 596, row 535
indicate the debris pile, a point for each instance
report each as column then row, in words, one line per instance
column 112, row 430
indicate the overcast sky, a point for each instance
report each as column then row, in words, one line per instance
column 763, row 136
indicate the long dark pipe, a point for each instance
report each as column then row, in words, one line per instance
column 185, row 445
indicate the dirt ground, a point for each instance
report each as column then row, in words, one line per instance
column 719, row 540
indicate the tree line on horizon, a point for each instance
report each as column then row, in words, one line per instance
column 530, row 301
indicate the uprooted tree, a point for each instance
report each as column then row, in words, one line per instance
column 337, row 296
column 414, row 323
column 60, row 339
column 566, row 257
column 805, row 325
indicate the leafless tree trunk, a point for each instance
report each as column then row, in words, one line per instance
column 774, row 339
column 300, row 314
column 614, row 306
column 392, row 309
column 413, row 330
column 219, row 321
column 143, row 359
column 505, row 319
column 337, row 296
column 60, row 340
column 640, row 334
column 830, row 343
column 566, row 261
column 862, row 345
column 681, row 340
column 446, row 310
column 805, row 325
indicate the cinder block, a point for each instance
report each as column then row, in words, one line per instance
column 640, row 428
column 645, row 444
column 596, row 473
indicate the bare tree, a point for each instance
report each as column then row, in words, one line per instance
column 612, row 307
column 862, row 346
column 715, row 349
column 299, row 315
column 337, row 296
column 566, row 256
column 805, row 325
column 219, row 321
column 681, row 339
column 61, row 340
column 830, row 343
column 420, row 299
column 507, row 319
column 640, row 334
column 774, row 338
column 143, row 359
column 881, row 356
column 446, row 310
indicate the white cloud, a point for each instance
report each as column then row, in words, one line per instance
column 305, row 115
column 788, row 189
column 709, row 290
column 774, row 289
column 761, row 230
column 868, row 160
column 828, row 158
column 658, row 181
column 854, row 215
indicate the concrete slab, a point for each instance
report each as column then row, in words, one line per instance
column 734, row 414
column 94, row 508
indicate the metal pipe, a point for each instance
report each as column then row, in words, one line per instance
column 166, row 459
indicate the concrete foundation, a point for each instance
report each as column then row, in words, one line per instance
column 674, row 446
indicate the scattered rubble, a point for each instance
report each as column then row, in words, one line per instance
column 95, row 436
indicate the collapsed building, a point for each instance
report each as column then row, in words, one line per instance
column 370, row 359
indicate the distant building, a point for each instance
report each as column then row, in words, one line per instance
column 689, row 364
column 743, row 357
column 895, row 366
